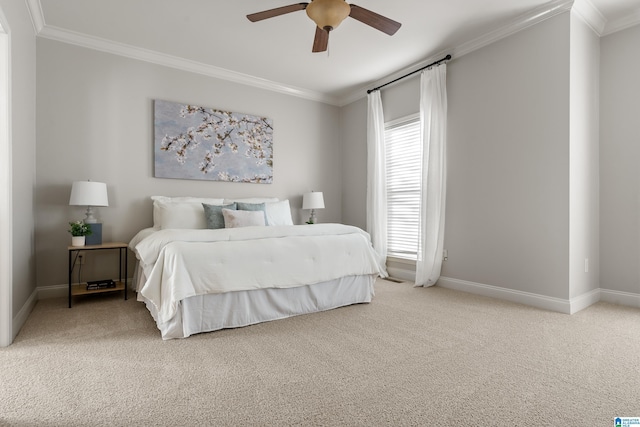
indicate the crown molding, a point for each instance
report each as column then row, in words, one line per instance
column 4, row 25
column 517, row 24
column 521, row 22
column 590, row 14
column 154, row 57
column 583, row 8
column 37, row 16
column 631, row 20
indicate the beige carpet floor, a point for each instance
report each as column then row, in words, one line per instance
column 413, row 357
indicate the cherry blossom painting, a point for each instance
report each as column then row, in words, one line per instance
column 193, row 142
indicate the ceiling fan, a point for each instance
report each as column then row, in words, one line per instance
column 328, row 14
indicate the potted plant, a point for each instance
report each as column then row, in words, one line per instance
column 79, row 230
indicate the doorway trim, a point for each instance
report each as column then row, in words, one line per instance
column 6, row 213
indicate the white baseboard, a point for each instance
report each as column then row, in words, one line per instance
column 583, row 301
column 560, row 305
column 619, row 297
column 20, row 319
column 54, row 291
column 527, row 298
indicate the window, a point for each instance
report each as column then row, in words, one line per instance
column 404, row 169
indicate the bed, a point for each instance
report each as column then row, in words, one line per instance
column 210, row 264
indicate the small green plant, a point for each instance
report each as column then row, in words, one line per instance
column 79, row 228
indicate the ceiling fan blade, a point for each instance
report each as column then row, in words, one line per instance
column 379, row 22
column 259, row 16
column 321, row 41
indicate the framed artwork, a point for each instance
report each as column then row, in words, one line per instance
column 193, row 142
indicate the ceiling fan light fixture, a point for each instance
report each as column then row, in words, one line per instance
column 328, row 14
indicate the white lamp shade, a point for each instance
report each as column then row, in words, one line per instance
column 313, row 200
column 89, row 193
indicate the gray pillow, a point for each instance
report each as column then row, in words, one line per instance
column 213, row 214
column 253, row 207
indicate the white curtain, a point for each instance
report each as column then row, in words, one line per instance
column 433, row 117
column 376, row 180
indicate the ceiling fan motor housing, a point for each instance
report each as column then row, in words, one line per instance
column 328, row 14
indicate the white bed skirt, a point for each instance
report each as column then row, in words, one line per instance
column 206, row 313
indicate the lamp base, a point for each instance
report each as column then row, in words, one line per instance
column 95, row 238
column 312, row 218
column 89, row 217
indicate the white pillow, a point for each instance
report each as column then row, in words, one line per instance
column 235, row 219
column 180, row 212
column 209, row 200
column 252, row 200
column 278, row 213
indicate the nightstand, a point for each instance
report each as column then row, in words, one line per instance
column 81, row 288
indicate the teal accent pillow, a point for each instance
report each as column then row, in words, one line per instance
column 213, row 214
column 253, row 207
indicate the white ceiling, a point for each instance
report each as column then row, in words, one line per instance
column 215, row 37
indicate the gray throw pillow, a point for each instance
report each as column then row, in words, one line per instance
column 213, row 214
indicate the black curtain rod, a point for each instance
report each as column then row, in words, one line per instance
column 446, row 58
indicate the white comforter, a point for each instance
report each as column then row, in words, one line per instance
column 182, row 263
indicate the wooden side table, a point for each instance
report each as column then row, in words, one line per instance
column 81, row 288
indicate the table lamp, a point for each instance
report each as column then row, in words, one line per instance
column 89, row 194
column 313, row 201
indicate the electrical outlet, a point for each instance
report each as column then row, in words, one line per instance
column 445, row 255
column 81, row 258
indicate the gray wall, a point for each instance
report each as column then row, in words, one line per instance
column 96, row 122
column 354, row 163
column 543, row 160
column 507, row 220
column 619, row 161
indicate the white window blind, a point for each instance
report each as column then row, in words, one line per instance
column 404, row 159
